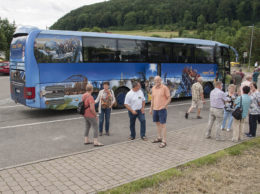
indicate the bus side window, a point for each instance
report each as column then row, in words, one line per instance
column 131, row 50
column 159, row 52
column 99, row 49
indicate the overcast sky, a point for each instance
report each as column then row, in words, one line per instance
column 39, row 13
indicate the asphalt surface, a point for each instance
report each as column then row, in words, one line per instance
column 28, row 135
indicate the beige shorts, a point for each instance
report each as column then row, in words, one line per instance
column 197, row 104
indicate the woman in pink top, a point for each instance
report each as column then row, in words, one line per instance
column 90, row 116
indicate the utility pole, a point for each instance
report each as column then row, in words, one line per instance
column 251, row 43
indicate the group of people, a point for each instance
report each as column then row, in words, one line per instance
column 222, row 104
column 135, row 104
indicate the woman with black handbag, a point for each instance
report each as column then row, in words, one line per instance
column 242, row 102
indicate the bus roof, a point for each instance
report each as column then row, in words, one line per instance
column 28, row 29
column 120, row 36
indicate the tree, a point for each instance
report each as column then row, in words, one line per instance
column 6, row 33
column 130, row 19
column 201, row 21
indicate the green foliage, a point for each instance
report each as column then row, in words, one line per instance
column 145, row 182
column 6, row 33
column 125, row 14
column 156, row 35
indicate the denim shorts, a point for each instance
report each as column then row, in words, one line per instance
column 160, row 116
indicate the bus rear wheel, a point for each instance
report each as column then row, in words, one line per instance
column 120, row 97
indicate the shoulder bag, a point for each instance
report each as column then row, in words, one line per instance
column 237, row 113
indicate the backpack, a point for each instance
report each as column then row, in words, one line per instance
column 81, row 107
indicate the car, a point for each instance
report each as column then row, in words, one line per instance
column 4, row 67
column 233, row 64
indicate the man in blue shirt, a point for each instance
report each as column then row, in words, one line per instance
column 238, row 125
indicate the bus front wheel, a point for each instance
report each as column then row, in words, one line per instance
column 120, row 97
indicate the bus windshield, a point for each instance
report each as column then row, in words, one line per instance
column 18, row 48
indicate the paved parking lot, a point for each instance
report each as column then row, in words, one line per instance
column 28, row 135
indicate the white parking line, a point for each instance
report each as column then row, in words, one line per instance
column 1, row 107
column 76, row 118
column 4, row 77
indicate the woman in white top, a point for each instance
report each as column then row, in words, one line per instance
column 106, row 99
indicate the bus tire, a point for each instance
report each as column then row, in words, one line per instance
column 120, row 94
column 207, row 89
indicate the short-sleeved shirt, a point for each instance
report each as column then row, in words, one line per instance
column 135, row 99
column 88, row 99
column 255, row 102
column 255, row 76
column 160, row 96
column 246, row 102
column 237, row 79
column 106, row 99
column 197, row 90
column 217, row 98
column 228, row 79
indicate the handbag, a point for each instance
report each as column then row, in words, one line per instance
column 237, row 113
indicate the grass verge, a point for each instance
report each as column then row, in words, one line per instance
column 158, row 178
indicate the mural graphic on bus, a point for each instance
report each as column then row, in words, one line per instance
column 67, row 94
column 58, row 49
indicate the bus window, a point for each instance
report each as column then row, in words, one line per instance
column 99, row 49
column 131, row 51
column 57, row 49
column 183, row 53
column 204, row 54
column 159, row 52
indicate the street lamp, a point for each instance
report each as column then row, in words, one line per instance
column 251, row 43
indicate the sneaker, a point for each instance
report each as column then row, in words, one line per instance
column 199, row 117
column 186, row 115
column 107, row 133
column 249, row 135
column 131, row 138
column 100, row 133
column 228, row 129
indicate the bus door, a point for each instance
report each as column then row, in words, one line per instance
column 151, row 70
column 223, row 62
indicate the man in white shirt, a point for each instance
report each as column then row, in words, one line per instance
column 135, row 102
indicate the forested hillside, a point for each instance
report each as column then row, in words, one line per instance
column 138, row 14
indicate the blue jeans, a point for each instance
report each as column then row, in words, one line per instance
column 227, row 116
column 141, row 118
column 105, row 112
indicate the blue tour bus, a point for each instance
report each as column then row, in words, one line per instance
column 50, row 68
